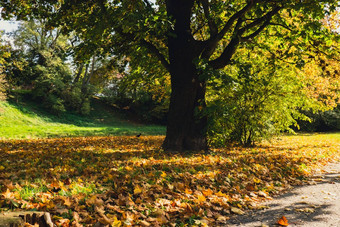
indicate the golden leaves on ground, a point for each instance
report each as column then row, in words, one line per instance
column 128, row 181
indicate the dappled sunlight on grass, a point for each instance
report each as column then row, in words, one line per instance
column 121, row 180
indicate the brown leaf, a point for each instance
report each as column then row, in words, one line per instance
column 145, row 223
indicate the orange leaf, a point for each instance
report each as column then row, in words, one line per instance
column 283, row 221
column 188, row 191
column 207, row 192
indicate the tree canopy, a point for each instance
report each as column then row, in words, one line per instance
column 188, row 39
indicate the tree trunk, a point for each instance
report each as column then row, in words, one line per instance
column 186, row 128
column 77, row 77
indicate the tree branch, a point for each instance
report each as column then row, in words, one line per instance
column 153, row 49
column 281, row 25
column 225, row 57
column 237, row 15
column 212, row 25
column 211, row 44
column 147, row 3
column 227, row 54
column 266, row 18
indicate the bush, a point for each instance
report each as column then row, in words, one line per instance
column 255, row 99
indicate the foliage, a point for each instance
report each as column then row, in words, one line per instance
column 147, row 98
column 27, row 120
column 3, row 82
column 44, row 68
column 322, row 77
column 122, row 181
column 260, row 95
column 270, row 86
column 178, row 32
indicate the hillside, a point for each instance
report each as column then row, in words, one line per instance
column 27, row 120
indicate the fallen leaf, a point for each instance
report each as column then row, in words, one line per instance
column 201, row 198
column 305, row 210
column 236, row 211
column 283, row 221
column 145, row 223
column 207, row 192
column 138, row 190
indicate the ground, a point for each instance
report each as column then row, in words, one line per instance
column 316, row 204
column 129, row 181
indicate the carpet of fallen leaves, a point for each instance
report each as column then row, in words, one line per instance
column 129, row 181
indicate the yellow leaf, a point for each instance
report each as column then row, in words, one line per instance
column 138, row 190
column 237, row 211
column 257, row 180
column 163, row 174
column 2, row 168
column 201, row 198
column 221, row 194
column 170, row 186
column 221, row 219
column 128, row 168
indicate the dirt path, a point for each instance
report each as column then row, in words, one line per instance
column 312, row 205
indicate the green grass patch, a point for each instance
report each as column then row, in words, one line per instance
column 27, row 121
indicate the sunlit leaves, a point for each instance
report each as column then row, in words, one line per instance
column 126, row 181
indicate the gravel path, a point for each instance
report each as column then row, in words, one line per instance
column 317, row 204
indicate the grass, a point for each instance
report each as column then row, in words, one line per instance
column 27, row 121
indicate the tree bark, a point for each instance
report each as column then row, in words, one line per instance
column 77, row 77
column 186, row 128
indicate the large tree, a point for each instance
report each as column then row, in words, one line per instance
column 187, row 37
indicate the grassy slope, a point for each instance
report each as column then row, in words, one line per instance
column 29, row 121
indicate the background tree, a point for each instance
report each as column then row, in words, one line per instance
column 180, row 34
column 3, row 55
column 40, row 64
column 143, row 93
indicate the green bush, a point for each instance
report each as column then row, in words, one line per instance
column 255, row 99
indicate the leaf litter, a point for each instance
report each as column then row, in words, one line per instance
column 129, row 181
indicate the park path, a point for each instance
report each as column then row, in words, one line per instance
column 316, row 205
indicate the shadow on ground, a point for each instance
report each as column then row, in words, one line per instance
column 310, row 205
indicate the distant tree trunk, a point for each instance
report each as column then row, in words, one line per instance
column 88, row 76
column 186, row 128
column 85, row 79
column 76, row 79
